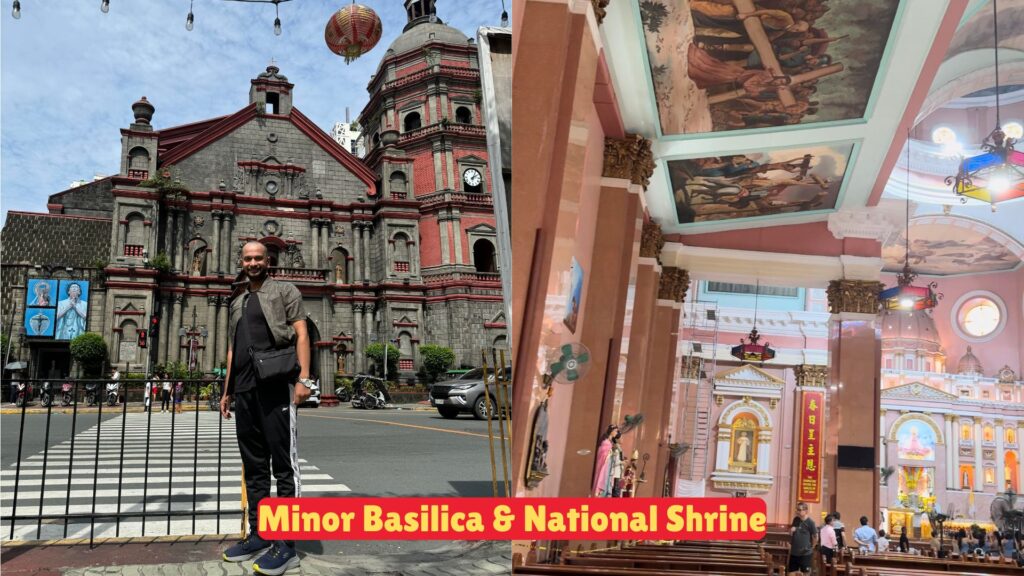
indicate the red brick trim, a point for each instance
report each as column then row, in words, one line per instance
column 495, row 325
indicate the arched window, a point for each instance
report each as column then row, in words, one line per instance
column 138, row 162
column 398, row 185
column 129, row 337
column 1010, row 471
column 412, row 121
column 990, row 475
column 463, row 115
column 484, row 257
column 501, row 343
column 339, row 261
column 197, row 266
column 966, row 476
column 989, row 434
column 376, row 138
column 402, row 254
column 743, row 443
column 273, row 254
column 966, row 433
column 134, row 235
column 1011, row 436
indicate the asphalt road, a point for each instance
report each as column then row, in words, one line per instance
column 373, row 453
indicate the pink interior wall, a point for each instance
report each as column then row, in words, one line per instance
column 1005, row 349
column 815, row 240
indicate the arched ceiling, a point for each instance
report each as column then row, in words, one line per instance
column 943, row 245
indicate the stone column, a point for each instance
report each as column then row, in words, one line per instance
column 165, row 328
column 174, row 248
column 182, row 261
column 325, row 249
column 979, row 471
column 222, row 329
column 366, row 249
column 951, row 445
column 179, row 323
column 955, row 462
column 371, row 338
column 357, row 254
column 171, row 326
column 215, row 267
column 357, row 336
column 209, row 352
column 1000, row 458
column 659, row 377
column 882, row 454
column 227, row 246
column 315, row 244
column 456, row 223
column 855, row 365
column 442, row 224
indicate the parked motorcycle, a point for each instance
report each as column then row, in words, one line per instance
column 343, row 394
column 46, row 398
column 91, row 393
column 24, row 394
column 67, row 393
column 112, row 388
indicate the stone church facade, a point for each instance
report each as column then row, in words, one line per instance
column 398, row 248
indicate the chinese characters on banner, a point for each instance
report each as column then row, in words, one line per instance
column 811, row 431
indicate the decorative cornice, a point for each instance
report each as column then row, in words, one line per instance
column 811, row 375
column 651, row 241
column 599, row 9
column 630, row 157
column 674, row 283
column 858, row 296
column 875, row 223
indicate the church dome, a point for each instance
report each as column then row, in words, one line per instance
column 969, row 365
column 419, row 33
column 908, row 329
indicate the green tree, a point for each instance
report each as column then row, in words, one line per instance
column 89, row 350
column 161, row 262
column 436, row 360
column 375, row 352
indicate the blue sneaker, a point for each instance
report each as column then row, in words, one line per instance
column 276, row 562
column 247, row 549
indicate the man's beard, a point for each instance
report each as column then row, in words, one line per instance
column 260, row 275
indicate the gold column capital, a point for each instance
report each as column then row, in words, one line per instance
column 859, row 296
column 811, row 375
column 630, row 157
column 673, row 284
column 651, row 241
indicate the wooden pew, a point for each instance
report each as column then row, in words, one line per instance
column 706, row 565
column 904, row 564
column 561, row 570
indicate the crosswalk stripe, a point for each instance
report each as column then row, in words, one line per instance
column 148, row 465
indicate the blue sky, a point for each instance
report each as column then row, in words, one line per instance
column 69, row 74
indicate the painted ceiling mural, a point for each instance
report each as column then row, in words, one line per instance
column 733, row 64
column 941, row 249
column 758, row 184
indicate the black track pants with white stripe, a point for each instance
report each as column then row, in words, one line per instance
column 268, row 437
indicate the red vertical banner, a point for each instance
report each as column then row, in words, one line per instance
column 812, row 426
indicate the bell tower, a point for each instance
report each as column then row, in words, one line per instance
column 272, row 92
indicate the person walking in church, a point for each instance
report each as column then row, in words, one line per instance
column 904, row 541
column 803, row 534
column 829, row 545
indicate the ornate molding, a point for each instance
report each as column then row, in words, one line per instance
column 599, row 9
column 651, row 241
column 876, row 224
column 811, row 375
column 674, row 284
column 859, row 296
column 630, row 157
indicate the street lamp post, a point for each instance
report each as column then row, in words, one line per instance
column 193, row 333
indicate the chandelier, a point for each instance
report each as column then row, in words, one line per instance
column 904, row 295
column 997, row 174
column 749, row 349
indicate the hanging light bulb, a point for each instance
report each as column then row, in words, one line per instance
column 105, row 6
column 190, row 20
column 16, row 10
column 277, row 26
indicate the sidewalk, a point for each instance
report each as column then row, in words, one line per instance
column 203, row 407
column 191, row 556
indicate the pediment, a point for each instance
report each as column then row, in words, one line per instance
column 748, row 376
column 917, row 390
column 472, row 159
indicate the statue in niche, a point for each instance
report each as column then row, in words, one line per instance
column 295, row 256
column 240, row 179
column 198, row 259
column 300, row 186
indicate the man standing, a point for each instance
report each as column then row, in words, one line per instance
column 803, row 532
column 865, row 536
column 265, row 315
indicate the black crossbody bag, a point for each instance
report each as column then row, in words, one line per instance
column 271, row 366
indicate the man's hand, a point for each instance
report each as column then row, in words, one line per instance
column 225, row 406
column 302, row 394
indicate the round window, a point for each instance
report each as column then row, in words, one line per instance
column 979, row 317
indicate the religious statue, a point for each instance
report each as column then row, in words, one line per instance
column 197, row 261
column 744, row 439
column 629, row 476
column 604, row 452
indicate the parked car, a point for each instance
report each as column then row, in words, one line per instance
column 465, row 394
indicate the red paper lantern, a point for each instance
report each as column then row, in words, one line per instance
column 353, row 31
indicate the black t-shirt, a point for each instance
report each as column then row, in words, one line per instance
column 801, row 543
column 252, row 330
